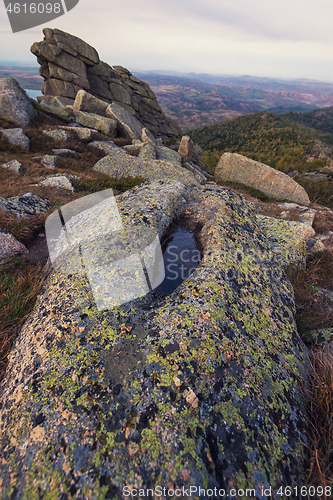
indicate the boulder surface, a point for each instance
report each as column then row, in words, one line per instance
column 237, row 168
column 199, row 389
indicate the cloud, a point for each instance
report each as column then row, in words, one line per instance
column 279, row 37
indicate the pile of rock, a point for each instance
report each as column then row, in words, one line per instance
column 69, row 64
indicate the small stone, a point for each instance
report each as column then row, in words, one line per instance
column 317, row 247
column 9, row 246
column 60, row 182
column 14, row 166
column 82, row 133
column 16, row 137
column 57, row 135
column 50, row 161
column 64, row 151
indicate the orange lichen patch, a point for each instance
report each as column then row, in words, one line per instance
column 37, row 433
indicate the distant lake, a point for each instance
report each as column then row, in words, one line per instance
column 33, row 93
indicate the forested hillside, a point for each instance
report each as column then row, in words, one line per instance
column 320, row 119
column 263, row 136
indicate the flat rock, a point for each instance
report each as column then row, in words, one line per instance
column 237, row 168
column 57, row 135
column 64, row 151
column 59, row 182
column 150, row 386
column 169, row 155
column 82, row 133
column 13, row 165
column 305, row 214
column 24, row 206
column 148, row 152
column 87, row 102
column 119, row 165
column 108, row 147
column 16, row 137
column 15, row 104
column 50, row 161
column 127, row 125
column 56, row 110
column 104, row 125
column 10, row 247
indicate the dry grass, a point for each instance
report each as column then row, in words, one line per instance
column 313, row 311
column 320, row 410
column 20, row 284
column 323, row 221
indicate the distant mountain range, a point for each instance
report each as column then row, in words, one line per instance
column 197, row 99
column 201, row 99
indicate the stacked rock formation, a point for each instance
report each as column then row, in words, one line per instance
column 68, row 64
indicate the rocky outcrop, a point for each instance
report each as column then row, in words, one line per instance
column 199, row 389
column 320, row 152
column 277, row 185
column 15, row 105
column 68, row 65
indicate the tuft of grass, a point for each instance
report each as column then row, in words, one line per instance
column 313, row 311
column 23, row 228
column 319, row 397
column 88, row 185
column 323, row 221
column 20, row 284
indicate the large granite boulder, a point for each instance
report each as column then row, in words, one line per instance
column 200, row 389
column 69, row 65
column 15, row 105
column 237, row 168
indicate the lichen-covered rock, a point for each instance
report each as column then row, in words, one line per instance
column 15, row 105
column 288, row 239
column 117, row 164
column 169, row 155
column 59, row 182
column 50, row 161
column 104, row 125
column 24, row 206
column 10, row 247
column 16, row 137
column 127, row 125
column 200, row 389
column 13, row 165
column 237, row 168
column 57, row 135
column 87, row 102
column 56, row 111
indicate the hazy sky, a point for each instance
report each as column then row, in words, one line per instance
column 277, row 38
